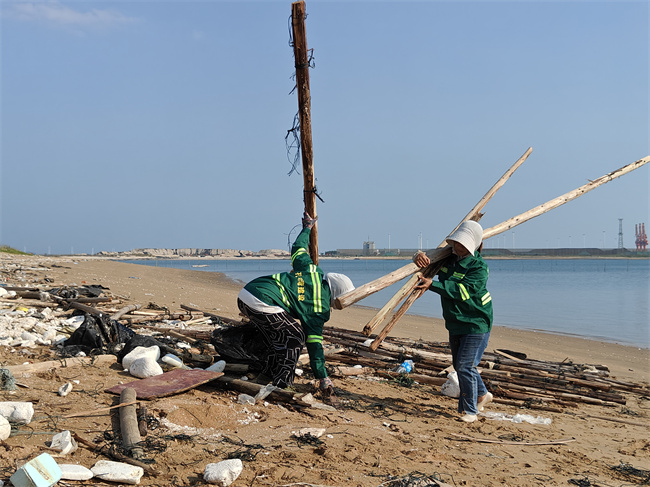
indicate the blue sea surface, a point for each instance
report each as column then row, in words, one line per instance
column 600, row 299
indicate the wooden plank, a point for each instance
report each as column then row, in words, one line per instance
column 167, row 384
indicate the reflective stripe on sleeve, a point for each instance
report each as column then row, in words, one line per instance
column 463, row 292
column 285, row 299
column 486, row 298
column 298, row 252
column 314, row 339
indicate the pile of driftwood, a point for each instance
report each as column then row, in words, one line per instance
column 513, row 378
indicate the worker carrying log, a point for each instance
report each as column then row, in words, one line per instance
column 290, row 309
column 467, row 311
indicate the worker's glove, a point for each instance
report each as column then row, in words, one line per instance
column 308, row 221
column 326, row 383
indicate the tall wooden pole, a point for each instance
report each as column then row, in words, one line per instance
column 301, row 56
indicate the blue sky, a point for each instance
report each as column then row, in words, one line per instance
column 162, row 124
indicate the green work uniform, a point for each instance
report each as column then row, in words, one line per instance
column 466, row 302
column 303, row 294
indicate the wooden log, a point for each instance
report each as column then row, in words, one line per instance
column 222, row 319
column 365, row 290
column 560, row 200
column 125, row 310
column 129, row 424
column 414, row 294
column 301, row 59
column 409, row 269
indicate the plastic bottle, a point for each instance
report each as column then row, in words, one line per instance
column 405, row 367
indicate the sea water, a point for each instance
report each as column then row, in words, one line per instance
column 600, row 299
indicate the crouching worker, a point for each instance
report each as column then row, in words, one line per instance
column 290, row 309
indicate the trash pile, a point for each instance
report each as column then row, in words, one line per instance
column 169, row 352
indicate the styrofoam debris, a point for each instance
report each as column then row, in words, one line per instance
column 5, row 428
column 63, row 442
column 117, row 472
column 315, row 432
column 18, row 412
column 70, row 471
column 65, row 389
column 223, row 473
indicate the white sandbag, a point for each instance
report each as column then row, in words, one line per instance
column 223, row 473
column 70, row 471
column 18, row 412
column 139, row 352
column 145, row 367
column 117, row 472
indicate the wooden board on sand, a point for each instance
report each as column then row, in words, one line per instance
column 168, row 383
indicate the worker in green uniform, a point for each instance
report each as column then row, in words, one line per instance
column 289, row 309
column 467, row 311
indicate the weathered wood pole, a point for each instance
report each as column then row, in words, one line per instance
column 301, row 56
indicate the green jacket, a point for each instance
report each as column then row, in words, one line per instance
column 303, row 294
column 466, row 302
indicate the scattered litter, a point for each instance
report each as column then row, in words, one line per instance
column 65, row 389
column 117, row 472
column 42, row 471
column 5, row 428
column 223, row 473
column 75, row 472
column 17, row 412
column 516, row 418
column 7, row 380
column 64, row 443
column 315, row 432
column 451, row 388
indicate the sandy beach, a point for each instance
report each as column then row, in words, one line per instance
column 393, row 432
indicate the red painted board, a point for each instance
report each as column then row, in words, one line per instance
column 168, row 383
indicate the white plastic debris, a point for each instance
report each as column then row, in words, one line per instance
column 223, row 473
column 245, row 399
column 41, row 471
column 264, row 392
column 517, row 418
column 451, row 388
column 63, row 442
column 5, row 428
column 367, row 342
column 117, row 472
column 70, row 471
column 65, row 389
column 140, row 352
column 173, row 361
column 219, row 366
column 18, row 412
column 315, row 432
column 145, row 367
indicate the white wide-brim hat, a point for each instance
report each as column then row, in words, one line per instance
column 469, row 234
column 339, row 284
